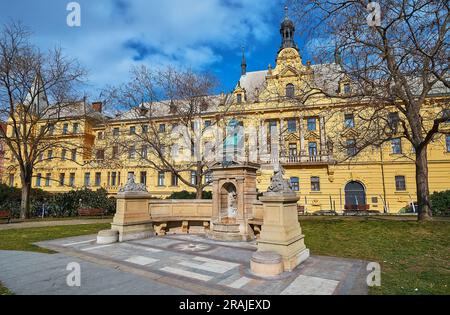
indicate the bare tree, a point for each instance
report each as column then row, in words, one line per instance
column 35, row 90
column 395, row 65
column 170, row 107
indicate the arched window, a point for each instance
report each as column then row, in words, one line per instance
column 355, row 196
column 290, row 91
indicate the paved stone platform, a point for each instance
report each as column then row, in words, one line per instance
column 183, row 264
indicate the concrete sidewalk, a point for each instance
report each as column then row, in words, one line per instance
column 38, row 224
column 26, row 273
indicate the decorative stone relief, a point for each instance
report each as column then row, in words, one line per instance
column 132, row 186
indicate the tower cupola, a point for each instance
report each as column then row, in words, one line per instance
column 287, row 32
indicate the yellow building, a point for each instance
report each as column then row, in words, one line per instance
column 380, row 178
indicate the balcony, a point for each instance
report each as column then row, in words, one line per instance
column 322, row 159
column 304, row 159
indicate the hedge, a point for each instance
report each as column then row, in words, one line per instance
column 56, row 205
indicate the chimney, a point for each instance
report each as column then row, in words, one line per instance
column 97, row 106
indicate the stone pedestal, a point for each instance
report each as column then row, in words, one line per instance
column 234, row 192
column 281, row 231
column 132, row 218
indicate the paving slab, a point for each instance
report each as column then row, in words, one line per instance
column 175, row 264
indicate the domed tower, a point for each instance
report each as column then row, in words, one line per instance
column 287, row 32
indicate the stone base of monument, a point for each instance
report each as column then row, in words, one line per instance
column 281, row 232
column 267, row 264
column 134, row 231
column 107, row 237
column 232, row 231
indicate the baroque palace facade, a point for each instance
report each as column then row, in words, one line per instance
column 380, row 178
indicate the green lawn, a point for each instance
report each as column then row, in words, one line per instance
column 414, row 257
column 23, row 239
column 4, row 291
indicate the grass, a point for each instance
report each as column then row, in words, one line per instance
column 23, row 239
column 4, row 291
column 414, row 256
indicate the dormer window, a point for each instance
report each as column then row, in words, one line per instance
column 347, row 88
column 290, row 91
column 239, row 98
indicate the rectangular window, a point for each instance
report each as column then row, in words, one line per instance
column 41, row 157
column 38, row 180
column 349, row 121
column 74, row 154
column 100, row 154
column 98, row 179
column 239, row 98
column 62, row 178
column 295, row 183
column 65, row 129
column 114, row 179
column 87, row 179
column 100, row 135
column 144, row 178
column 174, row 180
column 51, row 129
column 144, row 152
column 193, row 177
column 63, row 154
column 145, row 129
column 115, row 152
column 48, row 177
column 393, row 120
column 50, row 154
column 312, row 124
column 312, row 148
column 351, row 147
column 447, row 143
column 400, row 183
column 207, row 123
column 132, row 130
column 11, row 180
column 293, row 152
column 446, row 114
column 162, row 128
column 315, row 183
column 75, row 128
column 347, row 89
column 132, row 153
column 397, row 146
column 161, row 178
column 116, row 132
column 208, row 178
column 72, row 180
column 292, row 125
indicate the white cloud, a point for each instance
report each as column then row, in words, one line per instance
column 181, row 32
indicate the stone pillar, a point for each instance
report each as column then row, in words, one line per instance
column 132, row 219
column 323, row 140
column 281, row 233
column 302, row 138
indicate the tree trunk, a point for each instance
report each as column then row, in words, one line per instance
column 199, row 193
column 423, row 190
column 25, row 201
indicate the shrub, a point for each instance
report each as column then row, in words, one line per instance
column 188, row 195
column 56, row 205
column 440, row 203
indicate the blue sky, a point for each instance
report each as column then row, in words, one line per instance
column 205, row 35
